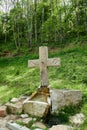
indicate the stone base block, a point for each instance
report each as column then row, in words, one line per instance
column 61, row 98
column 14, row 108
column 36, row 108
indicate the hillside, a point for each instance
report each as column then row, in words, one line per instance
column 17, row 79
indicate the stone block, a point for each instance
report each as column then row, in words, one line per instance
column 77, row 119
column 14, row 108
column 38, row 104
column 14, row 126
column 24, row 116
column 14, row 100
column 20, row 99
column 61, row 127
column 15, row 105
column 3, row 111
column 36, row 108
column 25, row 121
column 4, row 129
column 39, row 125
column 61, row 98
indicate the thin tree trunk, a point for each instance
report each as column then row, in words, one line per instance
column 57, row 7
column 35, row 20
column 6, row 11
column 28, row 22
column 14, row 26
column 31, row 28
column 77, row 25
column 42, row 35
column 18, row 31
column 15, row 41
column 85, row 21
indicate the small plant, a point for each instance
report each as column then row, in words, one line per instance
column 20, row 123
column 29, row 125
column 17, row 73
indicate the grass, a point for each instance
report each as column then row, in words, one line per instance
column 17, row 79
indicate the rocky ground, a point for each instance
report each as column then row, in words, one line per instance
column 4, row 120
column 24, row 119
column 37, row 124
column 15, row 117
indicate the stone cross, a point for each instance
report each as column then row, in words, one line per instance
column 43, row 62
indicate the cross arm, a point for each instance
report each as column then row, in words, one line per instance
column 53, row 62
column 33, row 63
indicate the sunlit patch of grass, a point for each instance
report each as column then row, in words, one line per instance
column 5, row 93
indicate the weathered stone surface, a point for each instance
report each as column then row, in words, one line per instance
column 3, row 111
column 14, row 126
column 39, row 125
column 4, row 129
column 38, row 129
column 20, row 99
column 61, row 98
column 4, row 120
column 36, row 108
column 38, row 104
column 41, row 95
column 77, row 119
column 15, row 108
column 24, row 116
column 14, row 100
column 43, row 63
column 61, row 127
column 11, row 117
column 25, row 121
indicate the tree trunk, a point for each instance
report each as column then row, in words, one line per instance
column 35, row 20
column 42, row 35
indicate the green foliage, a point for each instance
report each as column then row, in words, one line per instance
column 63, row 115
column 68, row 111
column 31, row 24
column 20, row 123
column 15, row 79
